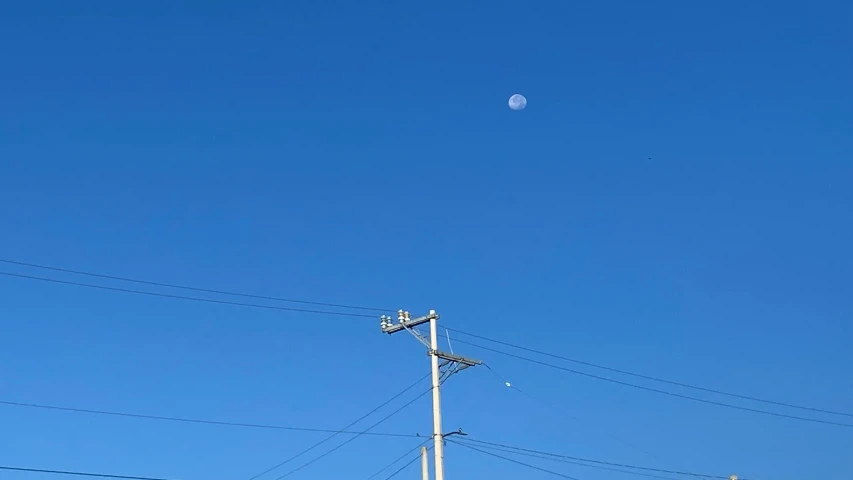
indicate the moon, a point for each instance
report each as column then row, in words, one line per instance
column 517, row 102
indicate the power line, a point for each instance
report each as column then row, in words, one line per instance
column 199, row 421
column 656, row 390
column 190, row 288
column 389, row 477
column 324, row 455
column 386, row 467
column 571, row 462
column 324, row 312
column 534, row 467
column 334, row 434
column 485, row 444
column 364, row 308
column 543, row 402
column 184, row 297
column 656, row 379
column 445, row 376
column 78, row 474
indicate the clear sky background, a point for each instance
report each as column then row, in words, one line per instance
column 675, row 200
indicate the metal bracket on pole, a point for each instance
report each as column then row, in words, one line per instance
column 406, row 323
column 458, row 362
column 457, row 432
column 451, row 358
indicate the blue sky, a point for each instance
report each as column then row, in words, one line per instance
column 675, row 200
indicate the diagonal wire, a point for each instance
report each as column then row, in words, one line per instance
column 334, row 434
column 656, row 390
column 548, row 405
column 357, row 307
column 570, row 462
column 76, row 474
column 389, row 477
column 485, row 444
column 184, row 297
column 649, row 377
column 444, row 376
column 386, row 467
column 517, row 462
column 186, row 287
column 196, row 420
column 329, row 452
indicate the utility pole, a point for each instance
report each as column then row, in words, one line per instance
column 424, row 464
column 453, row 364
